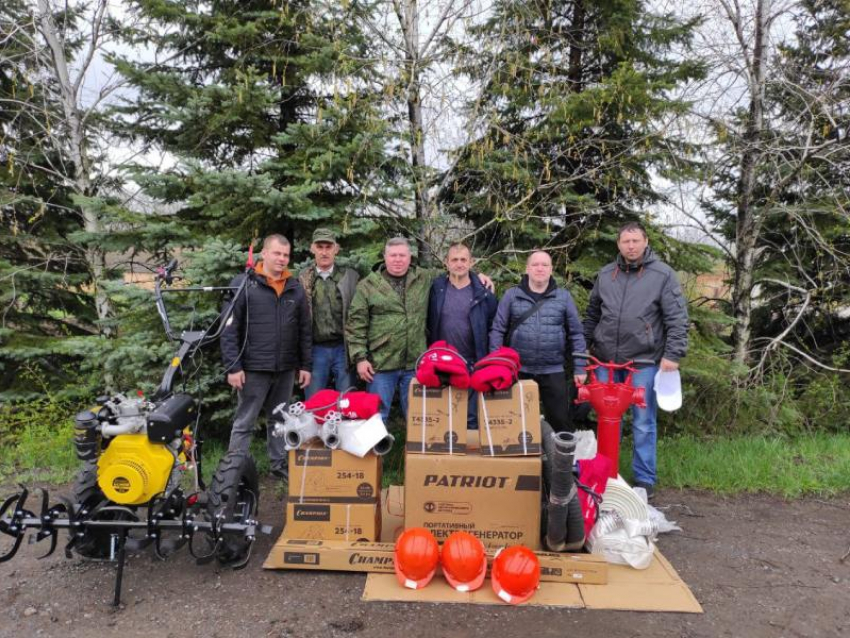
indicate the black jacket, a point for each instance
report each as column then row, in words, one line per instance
column 637, row 311
column 279, row 329
column 481, row 312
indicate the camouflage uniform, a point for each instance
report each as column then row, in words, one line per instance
column 388, row 329
column 329, row 301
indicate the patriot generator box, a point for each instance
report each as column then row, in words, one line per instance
column 320, row 475
column 436, row 419
column 495, row 499
column 509, row 421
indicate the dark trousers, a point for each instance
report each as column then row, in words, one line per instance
column 555, row 397
column 263, row 391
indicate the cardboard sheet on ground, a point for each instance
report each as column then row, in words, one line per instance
column 658, row 588
column 385, row 587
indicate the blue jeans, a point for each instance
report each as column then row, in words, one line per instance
column 329, row 361
column 472, row 412
column 385, row 384
column 644, row 423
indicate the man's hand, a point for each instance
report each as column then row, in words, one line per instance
column 669, row 366
column 365, row 370
column 486, row 282
column 236, row 379
column 580, row 378
column 304, row 378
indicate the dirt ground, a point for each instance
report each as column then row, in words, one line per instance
column 761, row 567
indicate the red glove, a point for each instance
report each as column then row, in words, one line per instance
column 441, row 365
column 499, row 370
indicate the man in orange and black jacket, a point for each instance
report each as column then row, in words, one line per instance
column 267, row 342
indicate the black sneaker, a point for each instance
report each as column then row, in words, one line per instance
column 281, row 473
column 650, row 490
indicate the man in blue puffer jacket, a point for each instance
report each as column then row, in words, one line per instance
column 460, row 312
column 543, row 338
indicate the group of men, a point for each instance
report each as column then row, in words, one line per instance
column 328, row 325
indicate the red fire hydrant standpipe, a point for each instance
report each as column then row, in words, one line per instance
column 610, row 400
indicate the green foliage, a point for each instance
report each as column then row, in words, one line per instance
column 268, row 108
column 36, row 438
column 571, row 97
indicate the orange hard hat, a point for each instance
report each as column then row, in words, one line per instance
column 415, row 558
column 464, row 561
column 516, row 574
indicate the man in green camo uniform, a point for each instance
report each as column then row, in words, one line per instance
column 385, row 329
column 330, row 290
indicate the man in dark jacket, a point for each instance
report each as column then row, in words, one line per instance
column 460, row 312
column 268, row 340
column 329, row 290
column 540, row 321
column 637, row 311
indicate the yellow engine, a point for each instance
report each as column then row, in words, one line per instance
column 132, row 470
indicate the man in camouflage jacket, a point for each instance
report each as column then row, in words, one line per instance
column 385, row 329
column 330, row 290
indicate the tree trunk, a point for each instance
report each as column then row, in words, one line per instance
column 748, row 223
column 76, row 145
column 423, row 205
column 576, row 34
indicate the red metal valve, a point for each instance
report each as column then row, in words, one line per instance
column 610, row 400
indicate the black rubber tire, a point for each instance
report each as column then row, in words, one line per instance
column 87, row 493
column 234, row 496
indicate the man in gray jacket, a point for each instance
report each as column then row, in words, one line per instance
column 637, row 311
column 329, row 291
column 540, row 321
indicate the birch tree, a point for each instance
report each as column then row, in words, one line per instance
column 778, row 170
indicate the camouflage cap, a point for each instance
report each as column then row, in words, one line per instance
column 324, row 234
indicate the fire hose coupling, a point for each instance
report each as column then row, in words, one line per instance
column 329, row 431
column 298, row 426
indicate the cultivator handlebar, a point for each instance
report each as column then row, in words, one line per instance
column 163, row 519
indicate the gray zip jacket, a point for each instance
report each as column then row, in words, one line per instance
column 637, row 311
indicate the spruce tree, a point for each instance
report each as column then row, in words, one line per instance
column 574, row 100
column 268, row 108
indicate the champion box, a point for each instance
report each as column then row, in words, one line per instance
column 293, row 553
column 509, row 420
column 496, row 499
column 320, row 475
column 333, row 521
column 436, row 420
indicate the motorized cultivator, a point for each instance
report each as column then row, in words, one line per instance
column 141, row 484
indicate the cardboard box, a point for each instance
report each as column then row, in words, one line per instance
column 320, row 475
column 436, row 420
column 496, row 499
column 509, row 420
column 392, row 513
column 333, row 521
column 292, row 553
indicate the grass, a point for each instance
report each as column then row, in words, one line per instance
column 42, row 452
column 817, row 464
